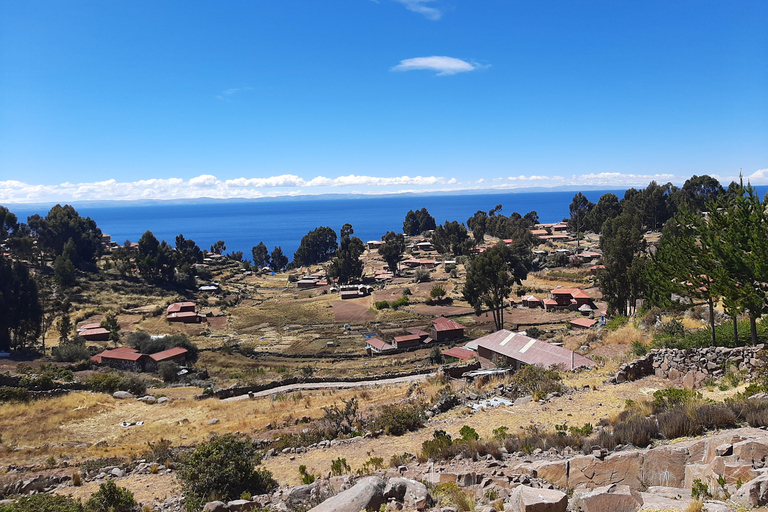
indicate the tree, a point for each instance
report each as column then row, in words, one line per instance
column 579, row 209
column 623, row 246
column 607, row 207
column 316, row 246
column 111, row 498
column 697, row 191
column 156, row 261
column 188, row 250
column 478, row 223
column 22, row 314
column 260, row 255
column 223, row 469
column 490, row 277
column 110, row 323
column 417, row 222
column 9, row 223
column 347, row 266
column 392, row 249
column 278, row 261
column 63, row 268
column 219, row 247
column 62, row 224
column 452, row 237
column 65, row 322
column 437, row 292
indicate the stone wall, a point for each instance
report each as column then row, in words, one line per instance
column 695, row 365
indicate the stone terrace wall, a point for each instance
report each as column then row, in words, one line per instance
column 694, row 365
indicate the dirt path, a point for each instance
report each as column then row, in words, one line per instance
column 326, row 385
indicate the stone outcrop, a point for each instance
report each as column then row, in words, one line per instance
column 616, row 498
column 753, row 493
column 528, row 499
column 367, row 494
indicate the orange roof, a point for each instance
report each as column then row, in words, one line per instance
column 379, row 344
column 459, row 353
column 177, row 306
column 583, row 322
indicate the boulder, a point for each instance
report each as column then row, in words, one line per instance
column 241, row 505
column 117, row 473
column 751, row 450
column 665, row 466
column 753, row 493
column 624, row 468
column 122, row 395
column 147, row 399
column 528, row 499
column 555, row 472
column 616, row 498
column 215, row 506
column 412, row 494
column 367, row 494
column 301, row 493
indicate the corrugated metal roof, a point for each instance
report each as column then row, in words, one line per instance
column 583, row 322
column 379, row 344
column 177, row 306
column 93, row 332
column 531, row 351
column 446, row 324
column 459, row 353
column 406, row 338
column 168, row 354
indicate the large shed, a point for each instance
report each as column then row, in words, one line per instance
column 445, row 329
column 518, row 350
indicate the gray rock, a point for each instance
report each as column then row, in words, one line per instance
column 163, row 399
column 213, row 421
column 122, row 395
column 412, row 494
column 241, row 505
column 117, row 473
column 368, row 493
column 717, row 506
column 524, row 400
column 147, row 399
column 528, row 499
column 301, row 493
column 215, row 506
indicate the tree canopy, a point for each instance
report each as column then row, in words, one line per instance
column 417, row 222
column 392, row 249
column 316, row 246
column 63, row 224
column 347, row 266
column 452, row 237
column 22, row 315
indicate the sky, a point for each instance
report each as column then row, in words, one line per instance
column 141, row 99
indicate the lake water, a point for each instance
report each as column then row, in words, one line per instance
column 282, row 222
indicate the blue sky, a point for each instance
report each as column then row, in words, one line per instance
column 252, row 98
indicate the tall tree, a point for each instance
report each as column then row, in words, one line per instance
column 188, row 250
column 260, row 255
column 277, row 260
column 607, row 207
column 452, row 237
column 478, row 223
column 490, row 277
column 579, row 209
column 347, row 266
column 62, row 224
column 392, row 249
column 219, row 247
column 21, row 313
column 623, row 250
column 316, row 246
column 417, row 222
column 110, row 323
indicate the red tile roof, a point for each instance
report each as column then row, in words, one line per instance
column 168, row 354
column 417, row 332
column 93, row 332
column 407, row 338
column 531, row 351
column 121, row 354
column 86, row 327
column 446, row 324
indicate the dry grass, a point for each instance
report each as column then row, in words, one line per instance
column 279, row 313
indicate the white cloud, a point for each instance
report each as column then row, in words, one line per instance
column 422, row 7
column 227, row 94
column 443, row 65
column 207, row 185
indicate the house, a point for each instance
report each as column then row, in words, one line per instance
column 582, row 323
column 444, row 329
column 179, row 307
column 177, row 355
column 307, row 282
column 425, row 246
column 377, row 345
column 568, row 299
column 86, row 327
column 374, row 244
column 423, row 335
column 589, row 255
column 458, row 353
column 407, row 341
column 517, row 350
column 350, row 294
column 538, row 233
column 531, row 301
column 97, row 334
column 186, row 317
column 122, row 358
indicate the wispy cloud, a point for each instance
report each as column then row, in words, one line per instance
column 443, row 65
column 423, row 7
column 227, row 94
column 207, row 185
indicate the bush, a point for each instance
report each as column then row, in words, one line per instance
column 44, row 502
column 38, row 382
column 672, row 397
column 439, row 447
column 222, row 469
column 111, row 498
column 467, row 433
column 160, row 451
column 103, row 382
column 382, row 304
column 340, row 466
column 11, row 394
column 534, row 332
column 396, row 420
column 677, row 422
column 533, row 379
column 639, row 348
column 71, row 351
column 636, row 430
column 396, row 461
column 133, row 384
column 168, row 371
column 402, row 301
column 422, row 275
column 713, row 416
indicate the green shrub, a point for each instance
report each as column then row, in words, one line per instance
column 439, row 447
column 531, row 379
column 133, row 384
column 396, row 461
column 111, row 498
column 161, row 451
column 402, row 301
column 222, row 469
column 71, row 351
column 168, row 371
column 10, row 394
column 671, row 397
column 639, row 348
column 616, row 322
column 306, row 478
column 103, row 382
column 44, row 502
column 396, row 420
column 41, row 382
column 467, row 433
column 339, row 467
column 382, row 304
